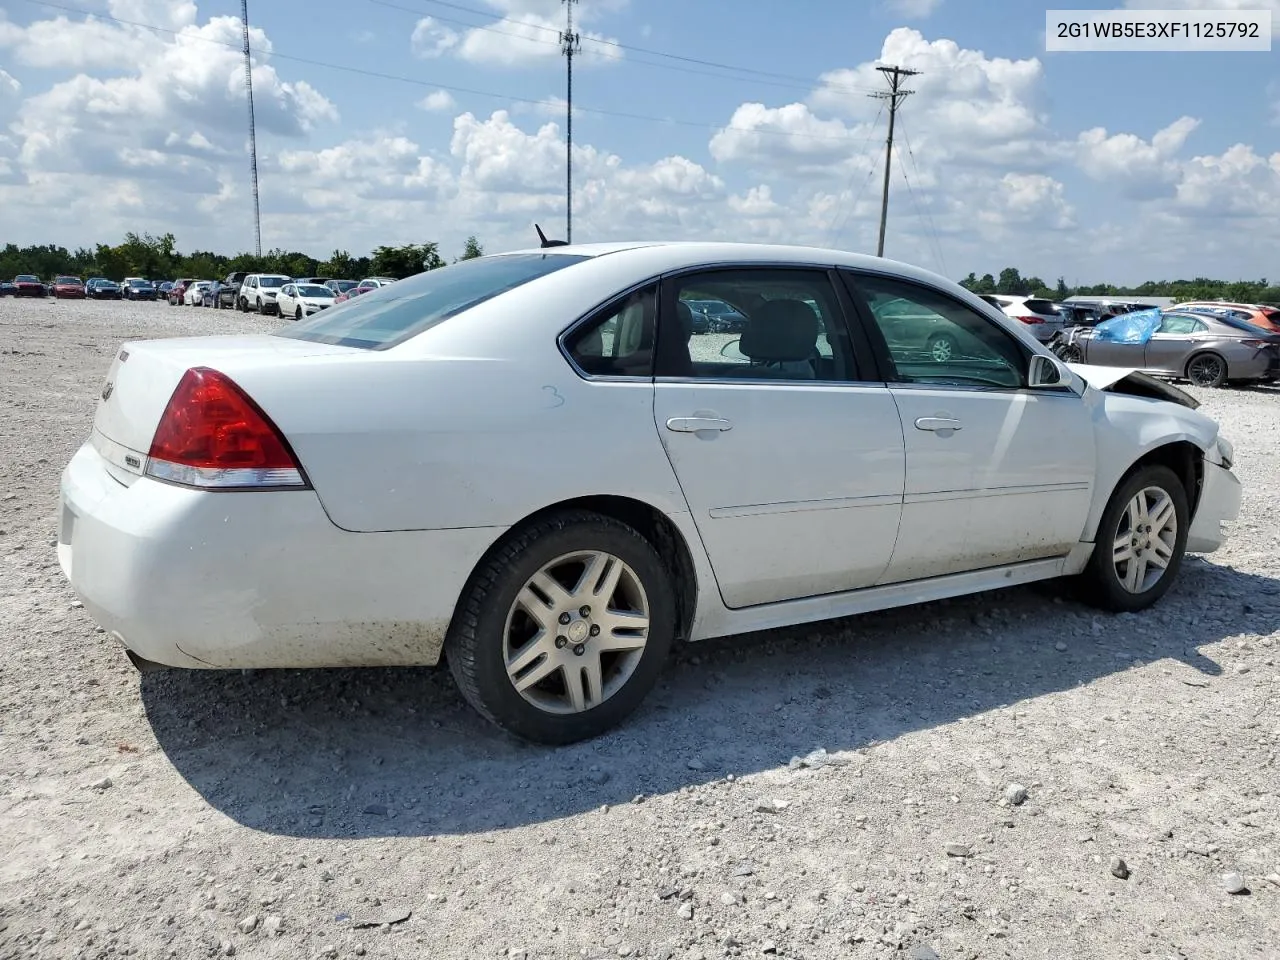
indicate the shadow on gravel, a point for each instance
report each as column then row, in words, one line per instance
column 360, row 753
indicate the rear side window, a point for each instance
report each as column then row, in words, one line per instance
column 618, row 342
column 392, row 314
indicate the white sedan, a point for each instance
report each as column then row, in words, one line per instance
column 530, row 466
column 193, row 296
column 298, row 300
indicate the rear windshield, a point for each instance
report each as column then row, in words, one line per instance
column 1042, row 306
column 392, row 314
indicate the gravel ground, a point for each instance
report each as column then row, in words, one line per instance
column 299, row 814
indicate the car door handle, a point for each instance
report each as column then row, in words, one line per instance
column 695, row 424
column 936, row 424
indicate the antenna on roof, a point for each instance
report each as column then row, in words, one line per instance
column 542, row 238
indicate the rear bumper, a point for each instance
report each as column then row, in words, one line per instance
column 194, row 579
column 1219, row 506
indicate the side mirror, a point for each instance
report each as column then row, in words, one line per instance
column 1047, row 372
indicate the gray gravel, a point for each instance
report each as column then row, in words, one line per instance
column 842, row 790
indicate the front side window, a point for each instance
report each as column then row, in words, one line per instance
column 618, row 342
column 770, row 324
column 931, row 338
column 1173, row 323
column 385, row 317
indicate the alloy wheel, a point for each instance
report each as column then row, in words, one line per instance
column 1145, row 539
column 576, row 632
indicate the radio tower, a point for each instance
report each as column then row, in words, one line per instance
column 570, row 44
column 253, row 131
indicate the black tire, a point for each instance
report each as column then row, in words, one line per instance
column 1070, row 353
column 1207, row 369
column 474, row 645
column 297, row 312
column 942, row 347
column 1100, row 583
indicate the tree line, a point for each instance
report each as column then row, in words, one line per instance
column 1011, row 283
column 158, row 258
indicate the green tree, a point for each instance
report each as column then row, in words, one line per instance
column 1061, row 293
column 339, row 266
column 401, row 262
column 970, row 282
column 986, row 285
column 472, row 249
column 1011, row 282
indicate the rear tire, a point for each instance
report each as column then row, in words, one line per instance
column 595, row 672
column 1144, row 525
column 1207, row 370
column 942, row 347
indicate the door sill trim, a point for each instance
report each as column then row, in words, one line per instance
column 727, row 622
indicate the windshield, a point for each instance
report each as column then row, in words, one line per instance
column 68, row 280
column 343, row 285
column 272, row 282
column 392, row 314
column 314, row 290
column 26, row 278
column 139, row 283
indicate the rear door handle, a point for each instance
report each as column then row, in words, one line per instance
column 695, row 424
column 936, row 424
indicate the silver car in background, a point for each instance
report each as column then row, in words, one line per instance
column 1206, row 350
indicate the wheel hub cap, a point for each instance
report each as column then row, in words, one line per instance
column 1145, row 539
column 576, row 632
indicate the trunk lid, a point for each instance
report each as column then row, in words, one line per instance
column 144, row 374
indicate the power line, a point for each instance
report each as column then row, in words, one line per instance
column 835, row 232
column 419, row 82
column 933, row 230
column 895, row 96
column 808, row 82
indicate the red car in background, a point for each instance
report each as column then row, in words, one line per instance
column 28, row 286
column 68, row 288
column 372, row 283
column 178, row 289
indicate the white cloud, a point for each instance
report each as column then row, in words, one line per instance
column 431, row 39
column 527, row 31
column 1142, row 168
column 915, row 9
column 1227, row 5
column 438, row 101
column 9, row 85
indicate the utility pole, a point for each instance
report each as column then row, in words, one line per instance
column 253, row 132
column 895, row 95
column 570, row 44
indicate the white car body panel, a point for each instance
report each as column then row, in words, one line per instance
column 422, row 456
column 827, row 501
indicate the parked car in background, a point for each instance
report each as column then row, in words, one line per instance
column 1257, row 314
column 297, row 300
column 193, row 294
column 229, row 289
column 27, row 285
column 340, row 287
column 68, row 288
column 364, row 286
column 8, row 288
column 128, row 281
column 178, row 291
column 136, row 288
column 1041, row 317
column 210, row 294
column 1206, row 349
column 362, row 512
column 100, row 288
column 259, row 291
column 715, row 316
column 163, row 288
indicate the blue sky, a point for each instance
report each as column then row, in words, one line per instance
column 1088, row 165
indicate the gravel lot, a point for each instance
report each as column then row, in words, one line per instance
column 298, row 814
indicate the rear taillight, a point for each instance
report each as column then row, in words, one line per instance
column 1030, row 319
column 213, row 436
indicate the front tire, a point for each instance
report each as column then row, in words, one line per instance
column 1141, row 540
column 563, row 629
